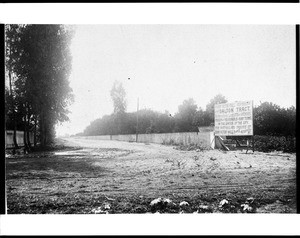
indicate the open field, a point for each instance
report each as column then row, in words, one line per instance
column 93, row 176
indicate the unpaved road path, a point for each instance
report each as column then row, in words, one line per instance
column 129, row 176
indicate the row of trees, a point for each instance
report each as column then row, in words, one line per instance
column 37, row 92
column 269, row 118
column 188, row 118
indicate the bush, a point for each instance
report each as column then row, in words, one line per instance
column 275, row 143
column 273, row 120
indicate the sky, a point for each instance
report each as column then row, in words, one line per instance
column 163, row 65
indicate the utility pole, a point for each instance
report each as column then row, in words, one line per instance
column 137, row 121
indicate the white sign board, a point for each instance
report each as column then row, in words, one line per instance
column 234, row 119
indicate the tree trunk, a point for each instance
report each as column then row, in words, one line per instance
column 27, row 135
column 26, row 147
column 24, row 140
column 43, row 131
column 28, row 140
column 27, row 125
column 12, row 104
column 15, row 135
column 34, row 138
column 13, row 110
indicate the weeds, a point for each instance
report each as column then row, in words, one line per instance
column 274, row 143
column 191, row 147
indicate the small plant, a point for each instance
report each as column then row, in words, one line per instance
column 162, row 205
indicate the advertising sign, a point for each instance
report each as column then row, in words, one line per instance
column 234, row 119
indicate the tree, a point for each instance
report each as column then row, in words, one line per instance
column 42, row 72
column 165, row 123
column 290, row 121
column 200, row 118
column 9, row 122
column 12, row 56
column 271, row 119
column 147, row 121
column 185, row 116
column 118, row 96
column 209, row 114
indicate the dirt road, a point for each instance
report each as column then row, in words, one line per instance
column 125, row 177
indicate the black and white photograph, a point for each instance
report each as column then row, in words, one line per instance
column 149, row 119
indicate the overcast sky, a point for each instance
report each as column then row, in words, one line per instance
column 167, row 64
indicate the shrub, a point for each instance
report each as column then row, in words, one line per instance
column 275, row 143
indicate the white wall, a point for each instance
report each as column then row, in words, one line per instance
column 205, row 139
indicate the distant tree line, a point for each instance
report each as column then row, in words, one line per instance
column 37, row 92
column 269, row 118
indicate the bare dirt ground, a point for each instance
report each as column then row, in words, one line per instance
column 94, row 176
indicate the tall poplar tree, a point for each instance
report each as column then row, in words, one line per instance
column 42, row 71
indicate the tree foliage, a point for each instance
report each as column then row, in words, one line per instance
column 149, row 122
column 118, row 96
column 269, row 119
column 12, row 55
column 185, row 116
column 41, row 65
column 210, row 108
